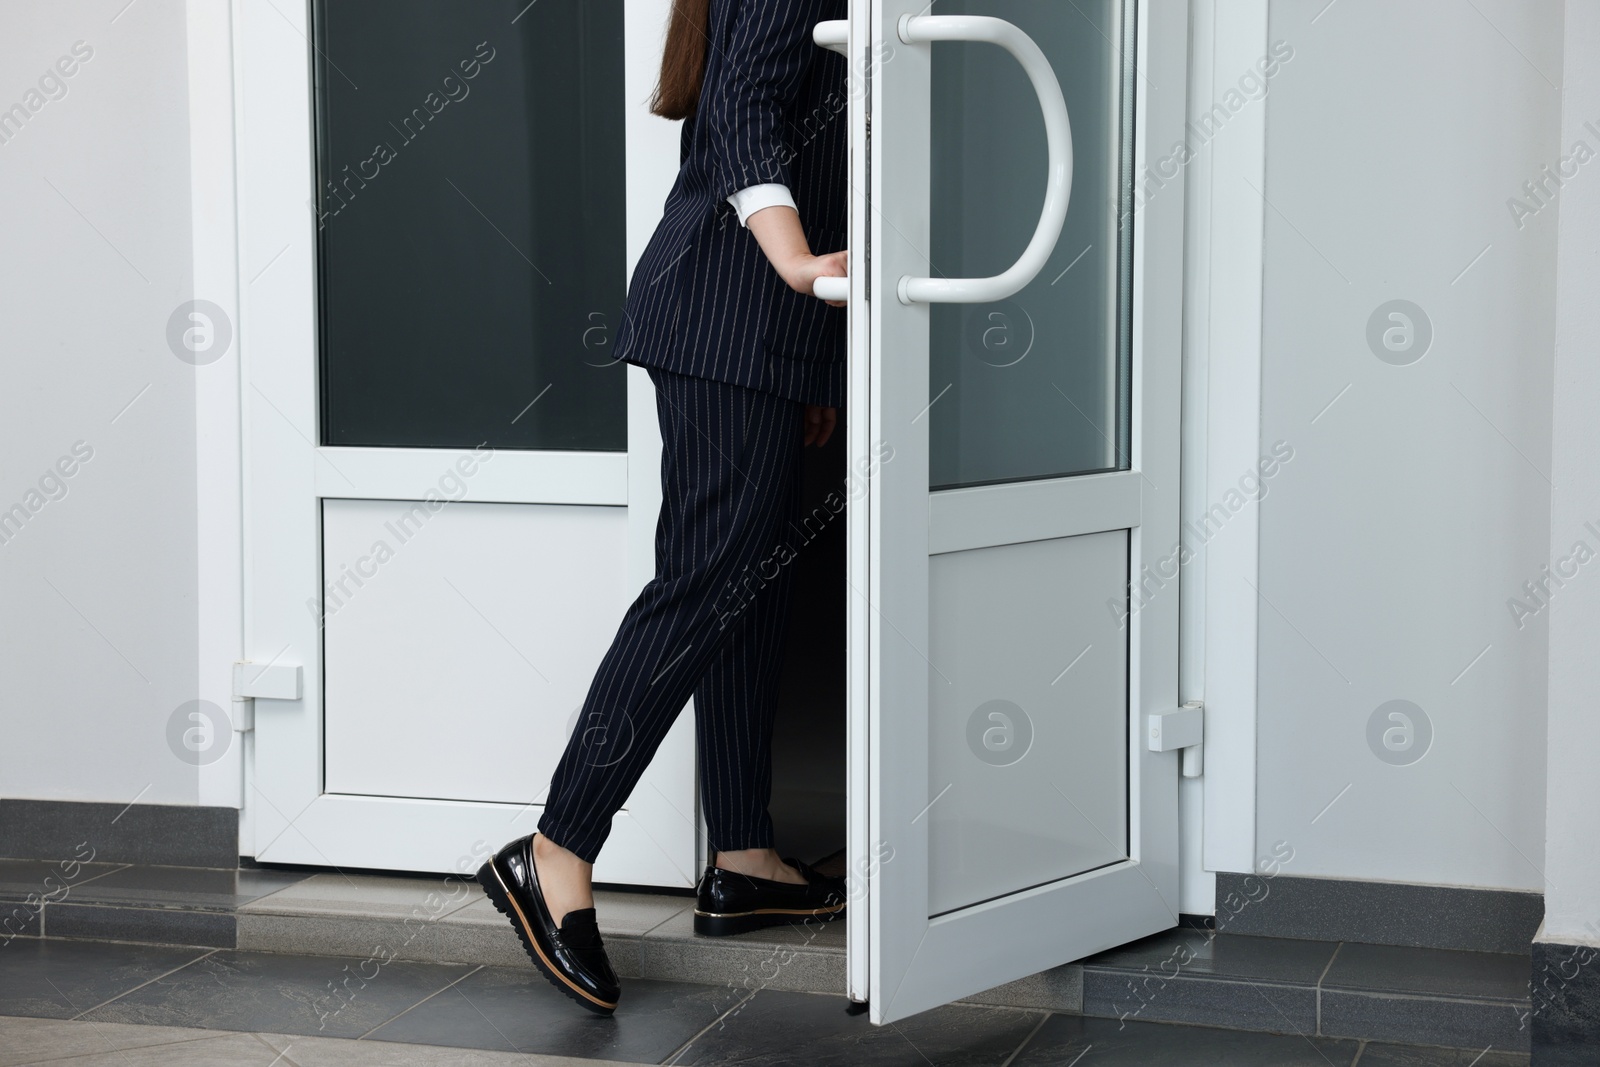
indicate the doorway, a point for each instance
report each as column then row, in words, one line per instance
column 1034, row 466
column 809, row 743
column 454, row 486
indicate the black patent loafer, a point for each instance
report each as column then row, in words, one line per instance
column 729, row 903
column 571, row 956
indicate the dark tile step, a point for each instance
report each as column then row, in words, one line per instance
column 429, row 920
column 37, row 881
column 191, row 888
column 149, row 904
column 1437, row 972
column 1416, row 995
column 1185, row 975
column 150, row 926
column 1428, row 996
column 1475, row 1024
column 1193, row 976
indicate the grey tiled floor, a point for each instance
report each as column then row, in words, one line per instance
column 232, row 1007
column 61, row 1043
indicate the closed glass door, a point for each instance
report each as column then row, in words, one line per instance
column 447, row 507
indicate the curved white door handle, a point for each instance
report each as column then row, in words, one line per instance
column 918, row 29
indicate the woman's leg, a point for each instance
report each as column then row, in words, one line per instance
column 736, row 701
column 729, row 457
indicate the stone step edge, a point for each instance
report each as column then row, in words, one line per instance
column 751, row 962
column 790, row 964
column 768, row 957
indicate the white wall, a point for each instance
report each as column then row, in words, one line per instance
column 1417, row 503
column 98, row 636
column 1418, row 498
column 1572, row 898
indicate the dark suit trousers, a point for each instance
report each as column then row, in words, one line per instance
column 711, row 624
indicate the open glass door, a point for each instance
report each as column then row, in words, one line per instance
column 1013, row 562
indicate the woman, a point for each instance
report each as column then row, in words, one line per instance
column 748, row 368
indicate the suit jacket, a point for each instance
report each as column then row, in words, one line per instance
column 704, row 300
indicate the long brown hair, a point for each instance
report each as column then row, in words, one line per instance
column 683, row 60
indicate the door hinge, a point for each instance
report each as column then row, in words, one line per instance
column 261, row 681
column 1183, row 729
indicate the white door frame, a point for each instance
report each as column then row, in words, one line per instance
column 285, row 473
column 1035, row 929
column 1222, row 434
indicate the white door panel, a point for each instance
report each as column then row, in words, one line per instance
column 1027, row 744
column 459, row 643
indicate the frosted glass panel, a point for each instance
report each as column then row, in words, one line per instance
column 470, row 222
column 1028, row 725
column 1037, row 385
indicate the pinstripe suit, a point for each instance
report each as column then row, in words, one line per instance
column 704, row 300
column 733, row 353
column 711, row 623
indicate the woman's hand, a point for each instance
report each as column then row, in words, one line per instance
column 803, row 271
column 777, row 230
column 820, row 422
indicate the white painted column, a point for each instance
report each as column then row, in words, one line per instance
column 218, row 459
column 1572, row 876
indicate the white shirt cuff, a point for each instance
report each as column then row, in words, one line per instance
column 753, row 198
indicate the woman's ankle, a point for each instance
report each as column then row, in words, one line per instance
column 546, row 849
column 565, row 880
column 564, row 865
column 754, row 862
